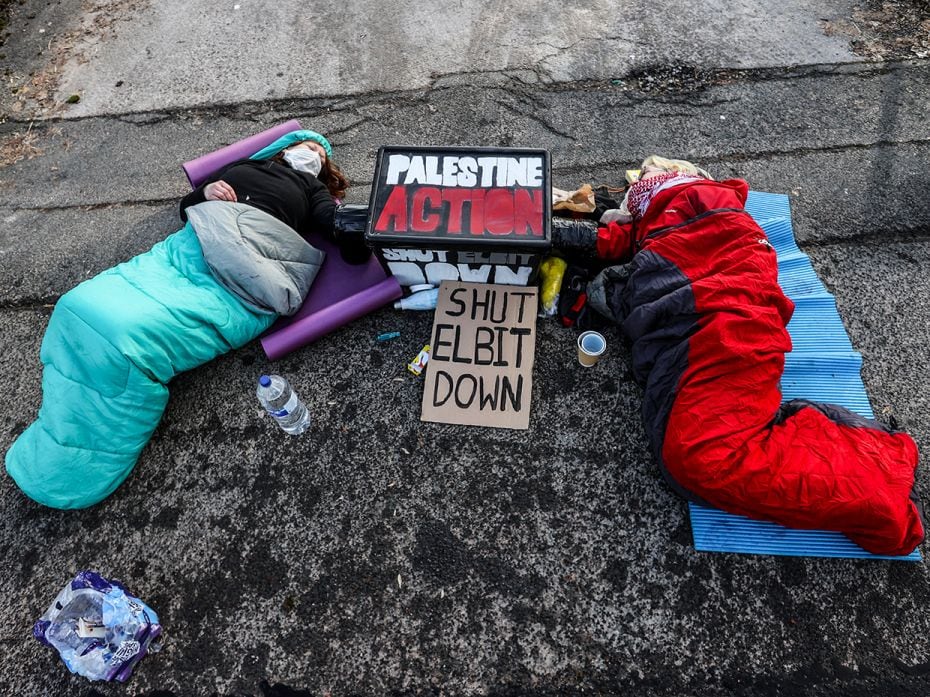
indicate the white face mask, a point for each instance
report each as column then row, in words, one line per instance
column 304, row 160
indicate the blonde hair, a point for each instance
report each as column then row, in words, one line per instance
column 682, row 166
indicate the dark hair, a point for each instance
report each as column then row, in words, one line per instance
column 330, row 175
column 333, row 179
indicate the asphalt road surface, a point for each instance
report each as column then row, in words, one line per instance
column 378, row 554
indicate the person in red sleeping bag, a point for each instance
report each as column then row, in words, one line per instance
column 699, row 299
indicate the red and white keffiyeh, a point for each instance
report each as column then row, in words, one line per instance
column 642, row 191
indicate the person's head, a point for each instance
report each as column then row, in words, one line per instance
column 655, row 165
column 329, row 174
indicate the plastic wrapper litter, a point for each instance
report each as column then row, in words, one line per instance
column 100, row 631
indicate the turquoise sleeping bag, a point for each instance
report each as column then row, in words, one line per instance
column 112, row 345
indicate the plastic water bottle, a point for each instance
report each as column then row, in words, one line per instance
column 420, row 299
column 279, row 400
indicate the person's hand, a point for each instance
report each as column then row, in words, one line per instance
column 616, row 215
column 219, row 191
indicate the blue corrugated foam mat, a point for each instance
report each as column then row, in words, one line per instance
column 822, row 367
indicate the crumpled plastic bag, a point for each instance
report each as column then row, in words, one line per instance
column 100, row 631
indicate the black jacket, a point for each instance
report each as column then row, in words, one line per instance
column 296, row 198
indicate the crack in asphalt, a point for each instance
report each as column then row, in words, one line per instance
column 96, row 206
column 257, row 110
column 30, row 304
column 537, row 119
column 143, row 118
column 850, row 147
column 727, row 157
column 568, row 169
column 437, row 78
column 362, row 120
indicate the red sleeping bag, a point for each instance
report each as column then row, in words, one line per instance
column 700, row 301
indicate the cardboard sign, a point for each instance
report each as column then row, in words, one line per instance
column 480, row 372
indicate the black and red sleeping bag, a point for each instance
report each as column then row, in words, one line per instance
column 700, row 301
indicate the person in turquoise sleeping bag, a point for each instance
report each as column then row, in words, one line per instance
column 115, row 341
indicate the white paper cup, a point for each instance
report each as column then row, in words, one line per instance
column 590, row 347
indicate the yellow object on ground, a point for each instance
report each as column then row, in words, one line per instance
column 551, row 271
